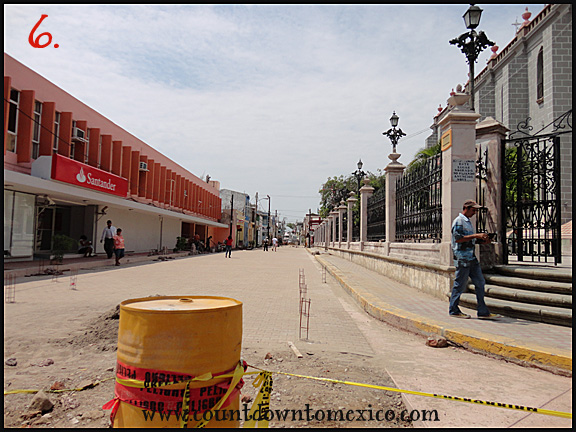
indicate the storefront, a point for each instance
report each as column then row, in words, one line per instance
column 54, row 201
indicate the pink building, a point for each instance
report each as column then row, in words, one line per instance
column 69, row 169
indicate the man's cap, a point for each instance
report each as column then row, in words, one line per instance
column 473, row 204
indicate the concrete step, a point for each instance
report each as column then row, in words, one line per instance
column 536, row 273
column 546, row 314
column 524, row 296
column 543, row 286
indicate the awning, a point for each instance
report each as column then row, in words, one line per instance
column 74, row 195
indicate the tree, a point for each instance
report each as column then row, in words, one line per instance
column 422, row 156
column 333, row 191
column 337, row 189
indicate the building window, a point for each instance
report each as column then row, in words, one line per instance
column 72, row 143
column 36, row 134
column 56, row 130
column 13, row 120
column 540, row 76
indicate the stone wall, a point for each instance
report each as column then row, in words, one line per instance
column 424, row 275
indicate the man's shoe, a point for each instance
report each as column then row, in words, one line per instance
column 460, row 315
column 490, row 316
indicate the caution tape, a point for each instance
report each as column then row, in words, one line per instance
column 437, row 396
column 8, row 392
column 264, row 381
column 262, row 401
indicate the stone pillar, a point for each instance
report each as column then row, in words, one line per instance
column 365, row 192
column 327, row 242
column 393, row 171
column 489, row 136
column 351, row 203
column 458, row 166
column 341, row 211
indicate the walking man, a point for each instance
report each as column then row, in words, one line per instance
column 463, row 240
column 108, row 237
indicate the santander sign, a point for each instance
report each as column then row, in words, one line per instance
column 79, row 174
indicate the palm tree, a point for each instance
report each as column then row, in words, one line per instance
column 422, row 156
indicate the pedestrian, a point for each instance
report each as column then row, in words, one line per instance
column 274, row 243
column 108, row 237
column 85, row 246
column 228, row 243
column 463, row 240
column 266, row 244
column 119, row 246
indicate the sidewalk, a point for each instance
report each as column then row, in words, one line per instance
column 521, row 341
column 28, row 268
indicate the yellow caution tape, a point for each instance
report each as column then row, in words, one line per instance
column 8, row 392
column 264, row 381
column 438, row 396
column 262, row 401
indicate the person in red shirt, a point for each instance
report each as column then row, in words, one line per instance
column 118, row 246
column 228, row 243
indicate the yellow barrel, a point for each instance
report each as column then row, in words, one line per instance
column 187, row 335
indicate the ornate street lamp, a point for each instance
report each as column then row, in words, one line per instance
column 359, row 174
column 472, row 43
column 394, row 134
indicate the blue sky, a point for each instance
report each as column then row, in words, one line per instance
column 269, row 99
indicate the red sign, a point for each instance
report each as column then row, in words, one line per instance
column 79, row 174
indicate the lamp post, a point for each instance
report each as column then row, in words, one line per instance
column 268, row 198
column 394, row 134
column 359, row 174
column 472, row 43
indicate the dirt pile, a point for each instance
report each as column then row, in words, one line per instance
column 102, row 333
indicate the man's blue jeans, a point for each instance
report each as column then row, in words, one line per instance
column 465, row 270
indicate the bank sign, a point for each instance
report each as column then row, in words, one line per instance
column 78, row 174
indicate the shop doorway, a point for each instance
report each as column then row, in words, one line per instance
column 71, row 221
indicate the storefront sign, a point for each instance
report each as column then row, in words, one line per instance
column 79, row 174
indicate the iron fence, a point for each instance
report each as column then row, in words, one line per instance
column 419, row 202
column 481, row 186
column 377, row 215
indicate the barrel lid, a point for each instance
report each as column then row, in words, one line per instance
column 179, row 303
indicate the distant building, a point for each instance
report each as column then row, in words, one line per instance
column 237, row 213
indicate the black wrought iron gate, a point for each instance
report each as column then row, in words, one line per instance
column 531, row 198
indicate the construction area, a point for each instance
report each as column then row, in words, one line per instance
column 306, row 315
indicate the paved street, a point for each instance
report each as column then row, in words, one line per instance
column 267, row 284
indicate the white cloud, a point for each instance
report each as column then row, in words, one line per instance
column 273, row 99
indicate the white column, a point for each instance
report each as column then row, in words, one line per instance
column 458, row 167
column 393, row 171
column 351, row 203
column 341, row 211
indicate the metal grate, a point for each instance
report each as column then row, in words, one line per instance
column 377, row 215
column 419, row 202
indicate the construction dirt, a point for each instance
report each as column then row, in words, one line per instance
column 85, row 361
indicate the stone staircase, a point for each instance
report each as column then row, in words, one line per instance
column 536, row 294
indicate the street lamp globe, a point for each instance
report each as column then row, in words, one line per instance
column 360, row 164
column 394, row 119
column 472, row 17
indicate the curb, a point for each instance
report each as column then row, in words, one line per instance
column 559, row 362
